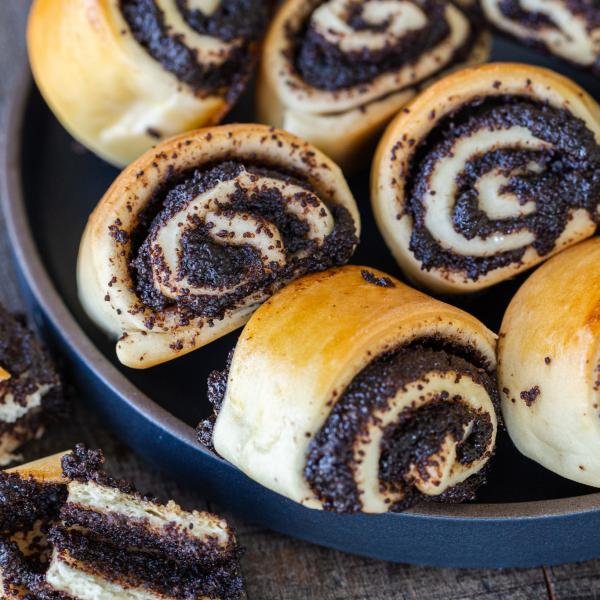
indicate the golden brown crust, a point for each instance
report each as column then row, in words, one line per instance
column 43, row 470
column 102, row 84
column 301, row 350
column 549, row 364
column 397, row 148
column 107, row 291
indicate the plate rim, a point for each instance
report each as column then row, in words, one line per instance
column 28, row 262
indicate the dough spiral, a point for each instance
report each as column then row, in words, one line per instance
column 335, row 71
column 486, row 174
column 569, row 29
column 192, row 237
column 349, row 391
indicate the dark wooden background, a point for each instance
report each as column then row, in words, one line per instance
column 276, row 567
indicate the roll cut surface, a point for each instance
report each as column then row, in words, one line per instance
column 335, row 71
column 69, row 531
column 486, row 174
column 191, row 238
column 569, row 29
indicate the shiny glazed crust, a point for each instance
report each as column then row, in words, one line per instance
column 397, row 148
column 549, row 365
column 342, row 123
column 102, row 84
column 104, row 279
column 301, row 350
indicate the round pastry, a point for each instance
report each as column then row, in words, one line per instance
column 122, row 74
column 350, row 391
column 569, row 29
column 549, row 365
column 335, row 72
column 198, row 232
column 487, row 173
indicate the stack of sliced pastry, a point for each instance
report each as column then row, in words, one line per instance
column 68, row 531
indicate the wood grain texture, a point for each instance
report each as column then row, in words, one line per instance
column 276, row 567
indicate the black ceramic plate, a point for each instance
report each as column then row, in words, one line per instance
column 525, row 515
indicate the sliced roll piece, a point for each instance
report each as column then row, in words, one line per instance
column 111, row 510
column 569, row 29
column 549, row 365
column 349, row 391
column 30, row 499
column 123, row 74
column 31, row 396
column 112, row 542
column 486, row 174
column 193, row 236
column 87, row 569
column 69, row 531
column 336, row 71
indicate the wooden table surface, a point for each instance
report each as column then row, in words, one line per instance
column 277, row 567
